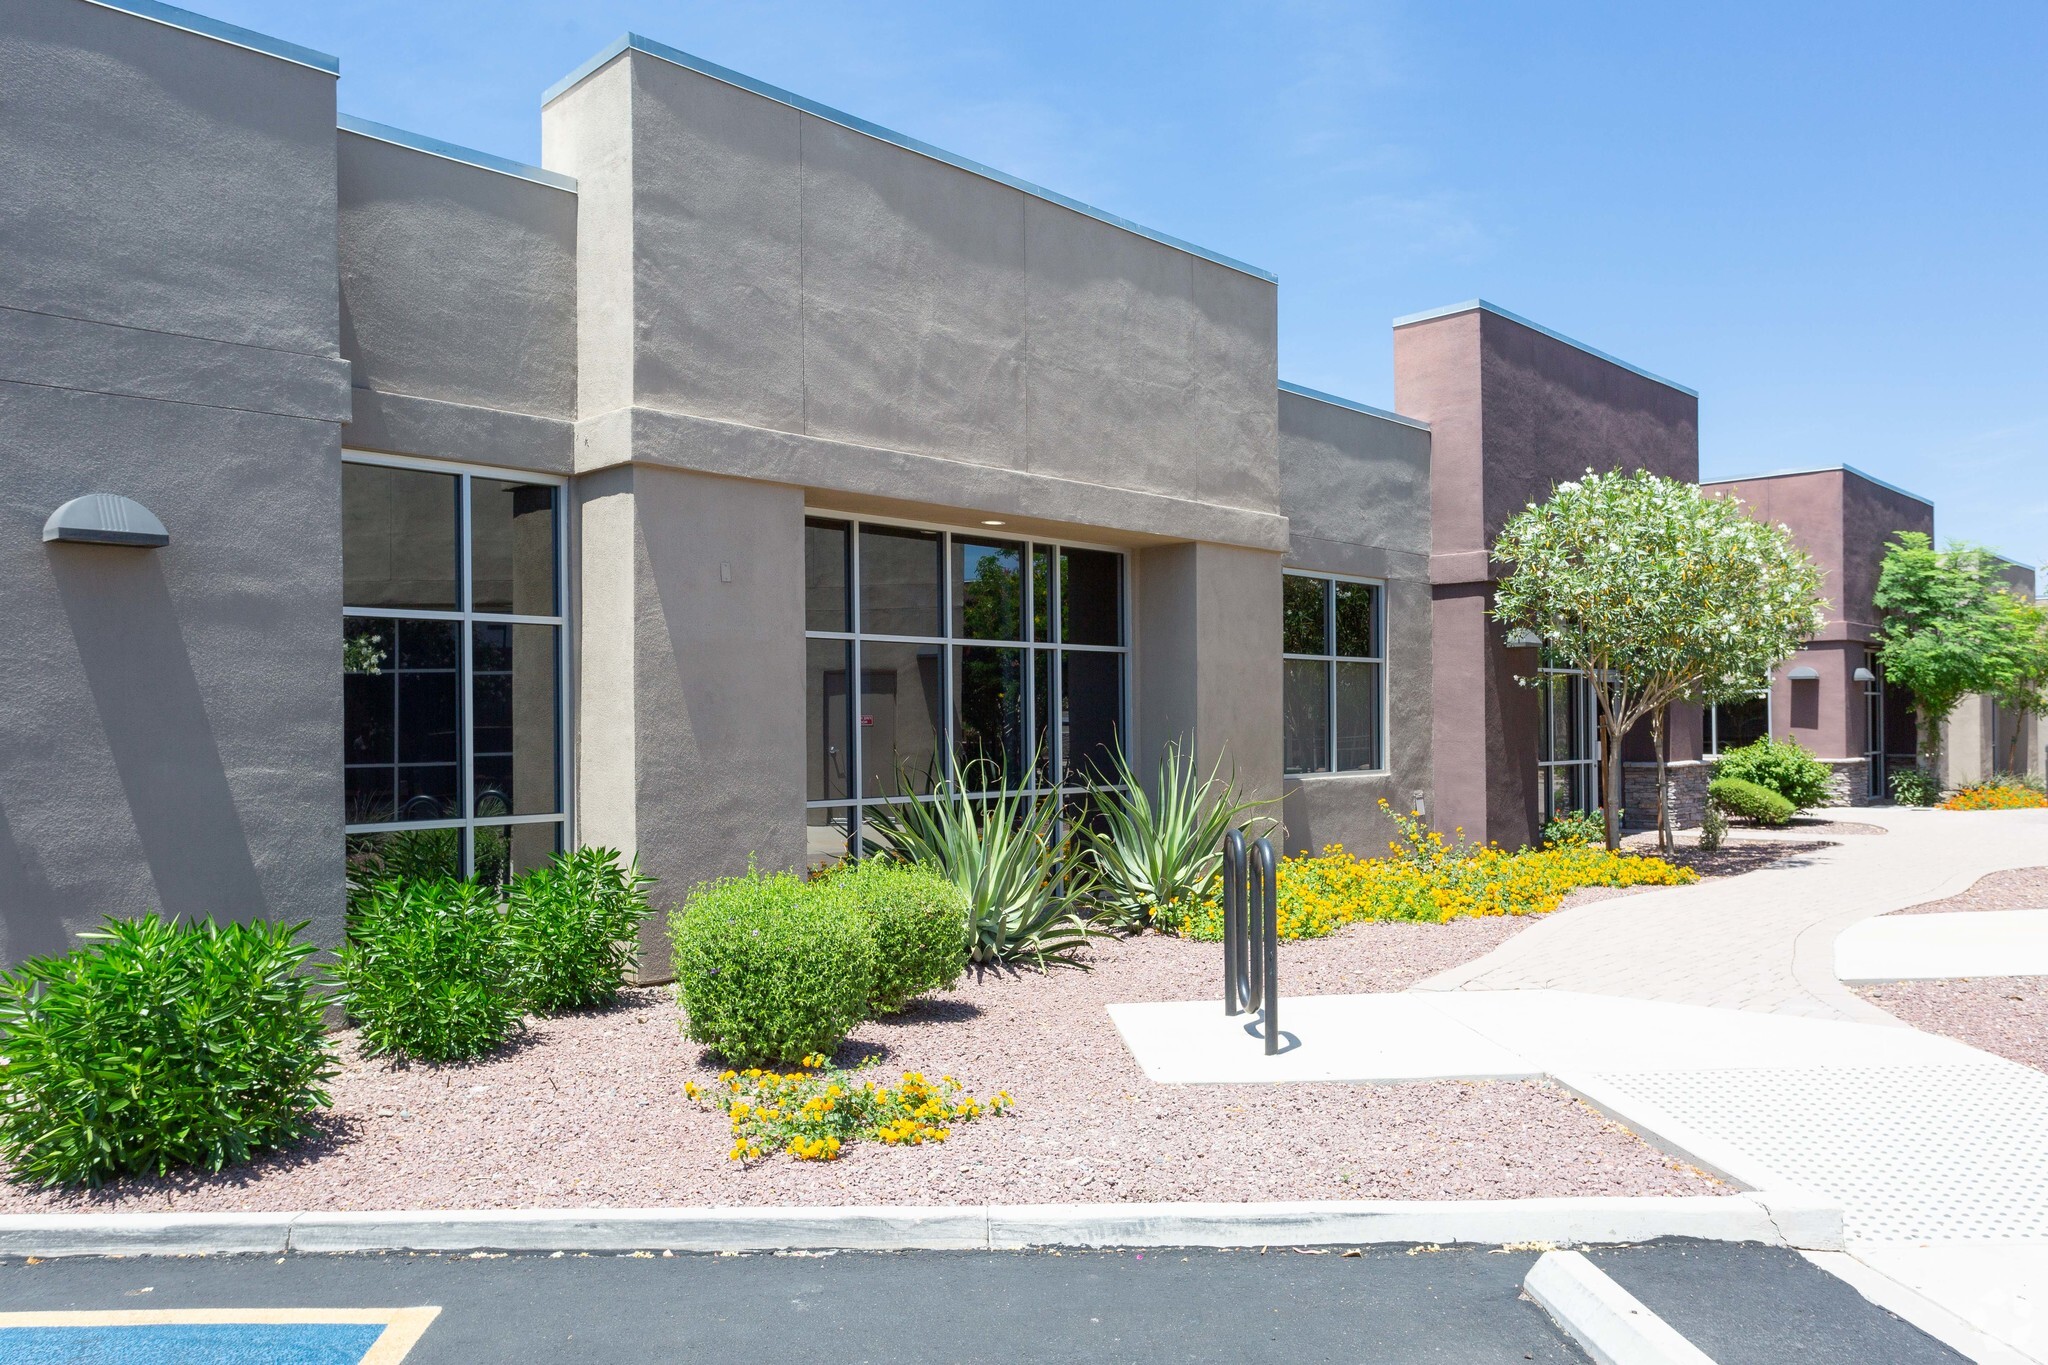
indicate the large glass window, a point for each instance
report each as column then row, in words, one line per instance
column 1567, row 742
column 1333, row 683
column 1732, row 724
column 452, row 670
column 934, row 652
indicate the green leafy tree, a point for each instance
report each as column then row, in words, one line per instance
column 1657, row 593
column 2024, row 687
column 1951, row 627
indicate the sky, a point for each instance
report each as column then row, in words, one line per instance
column 1830, row 219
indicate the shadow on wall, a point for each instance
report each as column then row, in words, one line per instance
column 29, row 926
column 136, row 664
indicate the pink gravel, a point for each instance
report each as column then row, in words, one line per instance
column 2004, row 1015
column 2020, row 888
column 587, row 1110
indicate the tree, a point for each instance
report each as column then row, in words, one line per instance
column 1952, row 627
column 1656, row 592
column 2025, row 688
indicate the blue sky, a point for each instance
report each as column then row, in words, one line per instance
column 1830, row 219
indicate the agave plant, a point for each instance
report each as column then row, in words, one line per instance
column 1154, row 859
column 1008, row 853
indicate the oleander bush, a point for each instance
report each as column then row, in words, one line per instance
column 1784, row 767
column 1429, row 879
column 1997, row 794
column 814, row 1111
column 428, row 970
column 770, row 968
column 573, row 929
column 158, row 1045
column 918, row 920
column 1749, row 801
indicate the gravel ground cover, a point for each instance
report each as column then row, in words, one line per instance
column 2021, row 888
column 2005, row 1015
column 588, row 1110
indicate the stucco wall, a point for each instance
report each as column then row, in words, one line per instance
column 891, row 319
column 172, row 732
column 1356, row 490
column 458, row 308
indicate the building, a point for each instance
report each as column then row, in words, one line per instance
column 738, row 471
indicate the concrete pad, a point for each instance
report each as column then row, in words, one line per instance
column 1612, row 1035
column 1934, row 947
column 1397, row 1037
column 1610, row 1324
column 1998, row 1288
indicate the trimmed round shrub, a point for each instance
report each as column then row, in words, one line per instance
column 770, row 969
column 159, row 1045
column 1785, row 768
column 919, row 923
column 1749, row 801
column 573, row 929
column 428, row 970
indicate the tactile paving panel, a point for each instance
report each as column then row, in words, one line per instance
column 1914, row 1153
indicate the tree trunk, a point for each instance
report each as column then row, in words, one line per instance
column 1610, row 799
column 1930, row 747
column 1663, row 803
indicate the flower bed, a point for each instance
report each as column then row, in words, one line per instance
column 1996, row 796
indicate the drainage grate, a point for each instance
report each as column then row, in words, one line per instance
column 1926, row 1153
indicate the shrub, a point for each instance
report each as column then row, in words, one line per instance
column 918, row 921
column 1007, row 854
column 1911, row 787
column 1152, row 857
column 1713, row 826
column 1998, row 794
column 1575, row 829
column 159, row 1045
column 1785, row 768
column 428, row 970
column 1749, row 801
column 769, row 969
column 573, row 929
column 812, row 1113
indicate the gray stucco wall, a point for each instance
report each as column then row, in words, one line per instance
column 458, row 308
column 690, row 686
column 876, row 311
column 1355, row 488
column 172, row 731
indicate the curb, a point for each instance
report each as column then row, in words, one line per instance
column 1611, row 1324
column 1775, row 1220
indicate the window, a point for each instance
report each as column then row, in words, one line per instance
column 933, row 652
column 1567, row 742
column 452, row 669
column 1332, row 685
column 1732, row 724
column 1873, row 726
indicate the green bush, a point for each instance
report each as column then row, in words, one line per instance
column 573, row 929
column 1576, row 829
column 919, row 923
column 1911, row 787
column 428, row 970
column 1785, row 768
column 1749, row 801
column 159, row 1045
column 770, row 969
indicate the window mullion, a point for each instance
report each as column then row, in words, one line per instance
column 465, row 686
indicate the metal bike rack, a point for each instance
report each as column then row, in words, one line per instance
column 1251, row 934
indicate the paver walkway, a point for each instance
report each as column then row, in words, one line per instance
column 1764, row 941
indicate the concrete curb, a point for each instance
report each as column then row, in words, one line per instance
column 1608, row 1322
column 1747, row 1217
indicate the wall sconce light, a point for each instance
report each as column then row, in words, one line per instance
column 106, row 519
column 1521, row 637
column 1803, row 674
column 1864, row 675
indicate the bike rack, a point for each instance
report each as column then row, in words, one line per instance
column 1251, row 934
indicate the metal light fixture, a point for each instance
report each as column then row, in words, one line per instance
column 994, row 521
column 1864, row 675
column 1521, row 637
column 106, row 519
column 1803, row 674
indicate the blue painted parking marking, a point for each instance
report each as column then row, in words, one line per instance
column 227, row 1336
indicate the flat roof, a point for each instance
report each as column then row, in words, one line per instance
column 1825, row 469
column 1481, row 305
column 448, row 151
column 633, row 42
column 1302, row 391
column 221, row 32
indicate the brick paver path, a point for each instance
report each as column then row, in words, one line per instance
column 1763, row 941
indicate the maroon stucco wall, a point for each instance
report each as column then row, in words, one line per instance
column 1512, row 411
